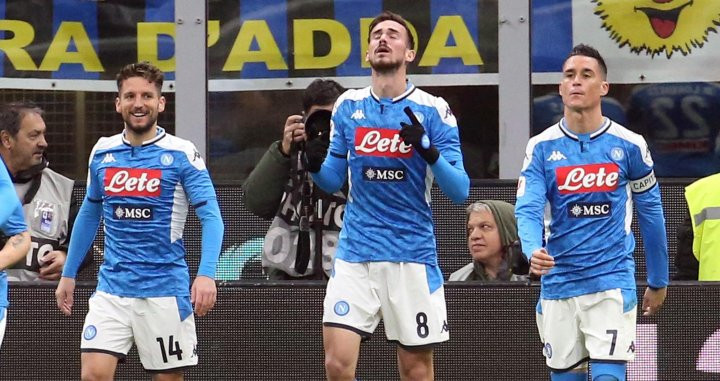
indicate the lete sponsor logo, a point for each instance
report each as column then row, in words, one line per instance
column 382, row 142
column 133, row 181
column 587, row 178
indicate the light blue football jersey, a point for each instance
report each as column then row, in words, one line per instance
column 387, row 215
column 577, row 193
column 145, row 193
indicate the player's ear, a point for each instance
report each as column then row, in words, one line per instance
column 604, row 88
column 161, row 104
column 409, row 55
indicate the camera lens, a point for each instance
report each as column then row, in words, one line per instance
column 317, row 125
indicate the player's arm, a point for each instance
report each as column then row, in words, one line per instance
column 328, row 167
column 201, row 192
column 441, row 152
column 646, row 195
column 13, row 224
column 83, row 234
column 14, row 250
column 531, row 199
column 204, row 293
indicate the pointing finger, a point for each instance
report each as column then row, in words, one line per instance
column 411, row 115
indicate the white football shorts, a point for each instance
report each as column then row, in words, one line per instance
column 409, row 297
column 163, row 329
column 598, row 326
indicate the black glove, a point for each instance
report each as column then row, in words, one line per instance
column 414, row 134
column 315, row 151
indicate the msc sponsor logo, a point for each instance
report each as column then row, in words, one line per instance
column 383, row 174
column 589, row 209
column 133, row 212
column 587, row 178
column 383, row 142
column 133, row 182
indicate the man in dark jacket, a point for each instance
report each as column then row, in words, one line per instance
column 298, row 244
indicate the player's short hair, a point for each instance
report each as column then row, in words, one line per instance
column 387, row 15
column 321, row 92
column 142, row 69
column 588, row 51
column 12, row 114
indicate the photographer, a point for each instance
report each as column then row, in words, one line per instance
column 306, row 221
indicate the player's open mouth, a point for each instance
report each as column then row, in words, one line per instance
column 663, row 22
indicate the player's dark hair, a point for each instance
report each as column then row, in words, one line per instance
column 321, row 92
column 589, row 51
column 142, row 69
column 11, row 114
column 387, row 15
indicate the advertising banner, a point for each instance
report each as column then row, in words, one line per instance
column 247, row 39
column 641, row 40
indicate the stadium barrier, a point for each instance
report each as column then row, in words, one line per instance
column 272, row 331
column 244, row 232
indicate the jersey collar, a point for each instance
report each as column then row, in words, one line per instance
column 603, row 127
column 408, row 90
column 159, row 135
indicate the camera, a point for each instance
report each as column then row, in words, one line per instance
column 317, row 125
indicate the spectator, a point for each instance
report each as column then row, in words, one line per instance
column 703, row 201
column 298, row 243
column 492, row 240
column 46, row 195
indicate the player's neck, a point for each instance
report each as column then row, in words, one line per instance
column 137, row 139
column 583, row 121
column 389, row 85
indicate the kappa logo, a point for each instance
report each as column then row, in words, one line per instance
column 556, row 156
column 357, row 115
column 109, row 158
column 445, row 327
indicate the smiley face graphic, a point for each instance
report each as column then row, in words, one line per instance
column 654, row 27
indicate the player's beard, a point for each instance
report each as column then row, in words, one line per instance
column 386, row 67
column 140, row 129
